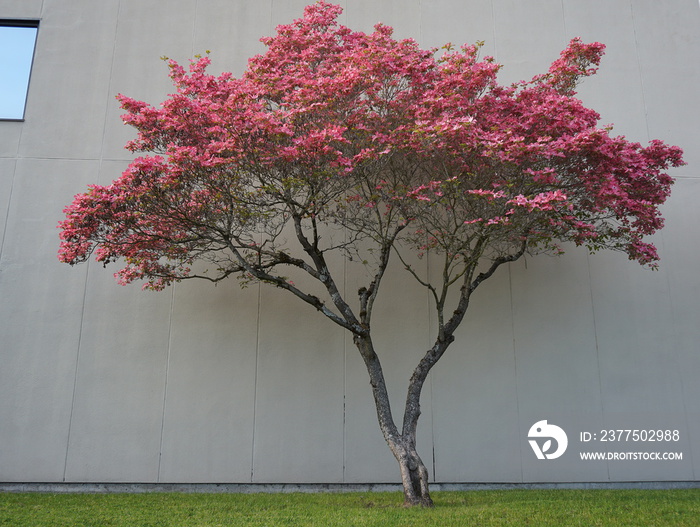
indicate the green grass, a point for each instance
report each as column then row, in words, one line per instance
column 481, row 508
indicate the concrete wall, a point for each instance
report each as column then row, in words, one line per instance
column 101, row 383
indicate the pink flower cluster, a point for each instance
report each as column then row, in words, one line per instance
column 327, row 111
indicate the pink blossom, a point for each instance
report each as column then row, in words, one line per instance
column 330, row 123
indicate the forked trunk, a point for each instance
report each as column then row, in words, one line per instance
column 414, row 474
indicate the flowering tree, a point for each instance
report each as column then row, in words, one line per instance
column 340, row 141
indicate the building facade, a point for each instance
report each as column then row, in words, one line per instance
column 102, row 383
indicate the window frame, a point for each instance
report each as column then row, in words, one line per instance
column 23, row 23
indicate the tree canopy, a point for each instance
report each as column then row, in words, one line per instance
column 338, row 140
column 330, row 124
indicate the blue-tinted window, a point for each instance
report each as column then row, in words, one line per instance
column 17, row 39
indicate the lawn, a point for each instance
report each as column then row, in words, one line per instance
column 481, row 508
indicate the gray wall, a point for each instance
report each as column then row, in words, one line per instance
column 101, row 383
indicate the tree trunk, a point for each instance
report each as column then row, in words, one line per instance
column 414, row 477
column 414, row 474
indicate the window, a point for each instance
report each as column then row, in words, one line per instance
column 17, row 39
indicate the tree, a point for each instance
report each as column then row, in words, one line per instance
column 336, row 141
